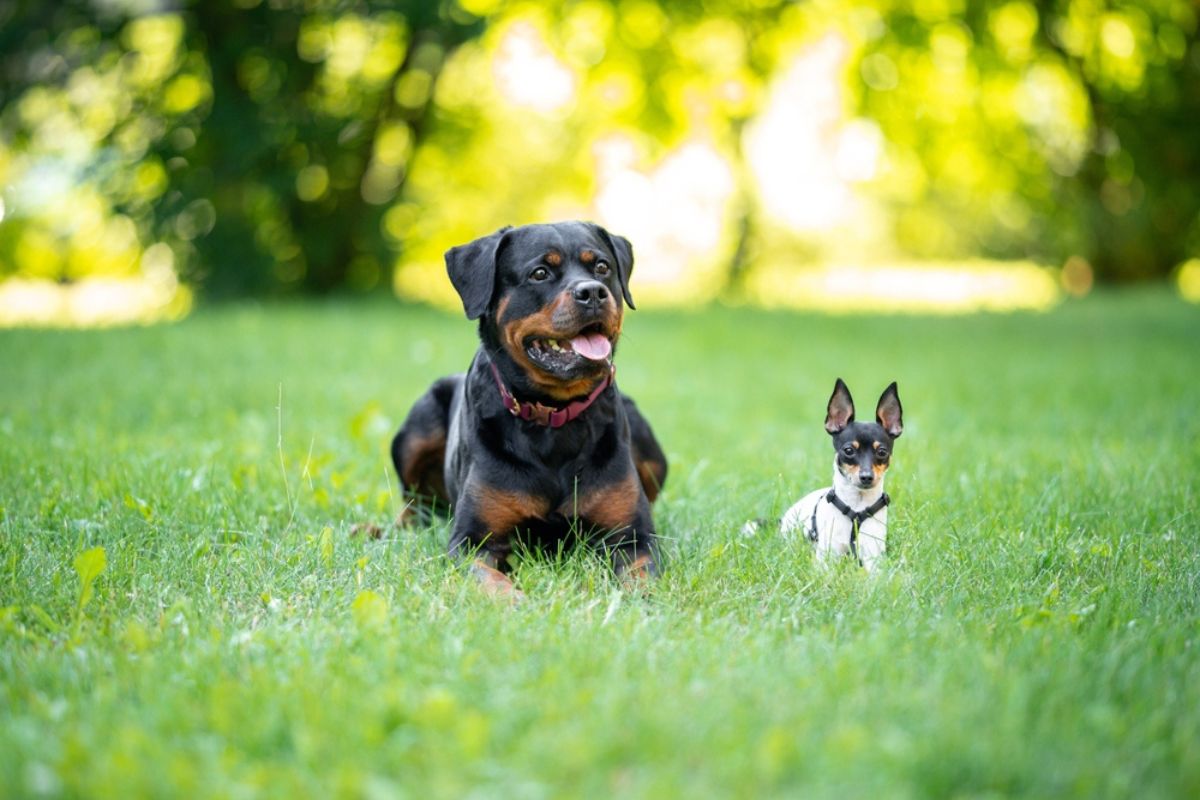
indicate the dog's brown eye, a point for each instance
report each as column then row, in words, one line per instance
column 539, row 274
column 881, row 453
column 848, row 450
column 602, row 269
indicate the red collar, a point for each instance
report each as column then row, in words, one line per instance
column 549, row 416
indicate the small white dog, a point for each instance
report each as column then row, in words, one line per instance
column 851, row 516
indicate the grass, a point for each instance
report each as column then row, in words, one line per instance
column 1035, row 631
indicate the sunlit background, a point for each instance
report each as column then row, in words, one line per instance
column 930, row 155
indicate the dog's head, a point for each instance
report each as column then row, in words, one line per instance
column 549, row 300
column 864, row 449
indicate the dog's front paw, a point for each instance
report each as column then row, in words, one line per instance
column 637, row 574
column 495, row 583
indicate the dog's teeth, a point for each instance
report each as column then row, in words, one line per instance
column 554, row 344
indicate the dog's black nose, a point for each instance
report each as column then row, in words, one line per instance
column 866, row 478
column 590, row 294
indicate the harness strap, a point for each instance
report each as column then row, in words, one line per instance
column 856, row 517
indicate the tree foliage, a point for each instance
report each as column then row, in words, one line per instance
column 1047, row 129
column 260, row 141
column 259, row 146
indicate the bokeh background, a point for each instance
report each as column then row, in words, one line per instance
column 899, row 154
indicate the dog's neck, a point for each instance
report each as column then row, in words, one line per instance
column 850, row 493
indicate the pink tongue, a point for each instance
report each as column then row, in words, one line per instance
column 593, row 346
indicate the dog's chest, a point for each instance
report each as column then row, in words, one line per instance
column 814, row 518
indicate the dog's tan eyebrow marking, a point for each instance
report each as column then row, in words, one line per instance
column 587, row 256
column 876, row 445
column 855, row 444
column 553, row 258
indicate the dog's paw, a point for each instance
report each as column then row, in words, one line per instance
column 637, row 575
column 495, row 583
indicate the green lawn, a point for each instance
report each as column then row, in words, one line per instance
column 1035, row 631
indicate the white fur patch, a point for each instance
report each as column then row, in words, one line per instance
column 832, row 531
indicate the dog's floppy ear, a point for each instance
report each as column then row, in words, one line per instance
column 623, row 251
column 889, row 412
column 840, row 412
column 472, row 269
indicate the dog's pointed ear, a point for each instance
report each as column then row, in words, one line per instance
column 472, row 269
column 889, row 411
column 623, row 251
column 840, row 412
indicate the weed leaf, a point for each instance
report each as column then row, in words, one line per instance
column 369, row 608
column 88, row 566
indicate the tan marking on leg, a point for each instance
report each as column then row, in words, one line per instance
column 650, row 474
column 610, row 507
column 423, row 459
column 500, row 510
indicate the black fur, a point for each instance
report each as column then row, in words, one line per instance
column 587, row 480
column 862, row 447
column 472, row 271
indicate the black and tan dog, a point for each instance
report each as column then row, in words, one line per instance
column 534, row 443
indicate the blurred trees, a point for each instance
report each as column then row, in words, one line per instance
column 1043, row 129
column 1139, row 183
column 260, row 141
column 316, row 108
column 278, row 145
column 625, row 111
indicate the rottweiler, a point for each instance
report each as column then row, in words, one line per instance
column 534, row 444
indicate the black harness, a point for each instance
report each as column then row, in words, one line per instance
column 856, row 518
